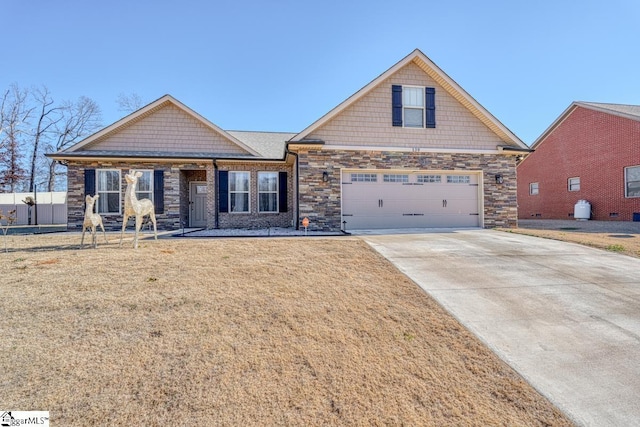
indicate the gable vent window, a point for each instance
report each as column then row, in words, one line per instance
column 413, row 106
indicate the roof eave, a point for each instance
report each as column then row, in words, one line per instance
column 431, row 69
column 166, row 99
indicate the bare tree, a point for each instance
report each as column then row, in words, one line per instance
column 77, row 120
column 129, row 103
column 32, row 123
column 48, row 117
column 14, row 117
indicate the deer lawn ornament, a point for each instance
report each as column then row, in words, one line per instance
column 92, row 221
column 135, row 207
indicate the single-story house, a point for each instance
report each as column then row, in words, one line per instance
column 410, row 149
column 591, row 152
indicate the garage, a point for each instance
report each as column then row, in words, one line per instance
column 374, row 199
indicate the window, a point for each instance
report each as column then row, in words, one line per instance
column 632, row 181
column 239, row 191
column 574, row 184
column 413, row 106
column 395, row 178
column 268, row 191
column 429, row 178
column 458, row 179
column 144, row 189
column 364, row 177
column 108, row 188
column 533, row 188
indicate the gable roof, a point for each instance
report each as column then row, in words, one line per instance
column 446, row 82
column 148, row 110
column 631, row 112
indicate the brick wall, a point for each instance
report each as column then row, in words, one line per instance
column 320, row 201
column 173, row 216
column 589, row 144
column 255, row 219
column 177, row 177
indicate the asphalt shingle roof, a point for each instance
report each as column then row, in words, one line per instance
column 629, row 110
column 270, row 145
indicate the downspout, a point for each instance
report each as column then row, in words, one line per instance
column 216, row 222
column 297, row 181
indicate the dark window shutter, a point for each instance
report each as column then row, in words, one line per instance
column 223, row 191
column 430, row 104
column 396, row 105
column 89, row 182
column 282, row 192
column 158, row 191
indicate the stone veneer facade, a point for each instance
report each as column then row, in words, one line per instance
column 320, row 201
column 177, row 177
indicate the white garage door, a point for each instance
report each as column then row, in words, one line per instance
column 384, row 199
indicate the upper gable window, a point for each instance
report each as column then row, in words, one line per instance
column 413, row 106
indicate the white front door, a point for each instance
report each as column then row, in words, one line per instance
column 197, row 204
column 416, row 199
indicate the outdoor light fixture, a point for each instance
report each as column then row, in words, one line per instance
column 325, row 176
column 499, row 179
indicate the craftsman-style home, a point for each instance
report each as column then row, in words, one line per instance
column 410, row 149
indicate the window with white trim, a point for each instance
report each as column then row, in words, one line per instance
column 458, row 179
column 632, row 181
column 574, row 184
column 364, row 177
column 238, row 192
column 413, row 106
column 144, row 189
column 533, row 188
column 108, row 188
column 430, row 178
column 395, row 178
column 268, row 191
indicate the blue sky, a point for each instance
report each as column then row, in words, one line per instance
column 280, row 65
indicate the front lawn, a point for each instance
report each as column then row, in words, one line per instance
column 289, row 331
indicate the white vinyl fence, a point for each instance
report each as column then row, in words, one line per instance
column 50, row 207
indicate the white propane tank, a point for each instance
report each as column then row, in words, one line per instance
column 582, row 210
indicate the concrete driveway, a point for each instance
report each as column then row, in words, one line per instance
column 566, row 317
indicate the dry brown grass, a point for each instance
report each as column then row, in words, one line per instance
column 628, row 244
column 241, row 332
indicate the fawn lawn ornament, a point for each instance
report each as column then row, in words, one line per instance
column 137, row 208
column 92, row 221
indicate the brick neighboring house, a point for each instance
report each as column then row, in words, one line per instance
column 590, row 152
column 410, row 149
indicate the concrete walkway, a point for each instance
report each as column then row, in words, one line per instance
column 565, row 316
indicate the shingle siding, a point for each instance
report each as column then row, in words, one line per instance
column 368, row 122
column 168, row 129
